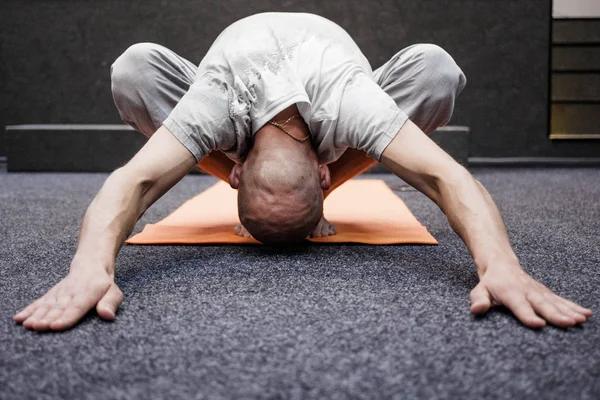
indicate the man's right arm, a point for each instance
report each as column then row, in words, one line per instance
column 109, row 220
column 127, row 194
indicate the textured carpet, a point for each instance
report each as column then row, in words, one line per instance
column 335, row 322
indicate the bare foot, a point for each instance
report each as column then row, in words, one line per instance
column 241, row 231
column 67, row 302
column 323, row 229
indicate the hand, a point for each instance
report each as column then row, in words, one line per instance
column 531, row 302
column 67, row 302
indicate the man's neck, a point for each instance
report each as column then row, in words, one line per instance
column 271, row 137
column 294, row 135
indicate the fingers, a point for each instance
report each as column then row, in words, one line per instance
column 531, row 302
column 480, row 300
column 568, row 311
column 585, row 311
column 70, row 300
column 33, row 321
column 27, row 312
column 69, row 317
column 535, row 304
column 579, row 314
column 48, row 312
column 107, row 306
column 52, row 315
column 37, row 310
column 547, row 309
column 519, row 305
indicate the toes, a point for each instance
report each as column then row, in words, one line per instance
column 323, row 229
column 332, row 230
column 316, row 232
column 245, row 233
column 241, row 231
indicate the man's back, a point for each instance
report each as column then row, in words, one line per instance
column 266, row 41
column 269, row 61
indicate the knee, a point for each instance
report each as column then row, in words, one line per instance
column 126, row 71
column 441, row 72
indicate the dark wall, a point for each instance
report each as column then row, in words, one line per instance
column 56, row 55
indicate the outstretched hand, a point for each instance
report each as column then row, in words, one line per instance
column 67, row 302
column 531, row 302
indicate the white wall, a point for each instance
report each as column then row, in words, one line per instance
column 576, row 8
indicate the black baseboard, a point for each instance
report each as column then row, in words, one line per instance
column 70, row 148
column 534, row 161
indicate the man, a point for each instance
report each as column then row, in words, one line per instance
column 286, row 108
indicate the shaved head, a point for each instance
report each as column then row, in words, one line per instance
column 280, row 184
column 280, row 199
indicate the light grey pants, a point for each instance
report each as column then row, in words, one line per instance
column 148, row 80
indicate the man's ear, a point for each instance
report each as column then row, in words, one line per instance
column 234, row 175
column 324, row 177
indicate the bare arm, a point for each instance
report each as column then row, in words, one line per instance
column 469, row 208
column 127, row 194
column 474, row 216
column 124, row 197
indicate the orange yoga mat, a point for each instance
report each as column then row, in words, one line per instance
column 364, row 211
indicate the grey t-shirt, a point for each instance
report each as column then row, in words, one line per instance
column 264, row 63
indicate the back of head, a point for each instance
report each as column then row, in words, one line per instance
column 280, row 199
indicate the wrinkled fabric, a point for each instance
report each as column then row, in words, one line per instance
column 264, row 63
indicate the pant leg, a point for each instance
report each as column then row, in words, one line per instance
column 424, row 81
column 148, row 80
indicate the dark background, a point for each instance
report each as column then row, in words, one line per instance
column 56, row 56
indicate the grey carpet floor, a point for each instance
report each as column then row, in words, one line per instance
column 324, row 322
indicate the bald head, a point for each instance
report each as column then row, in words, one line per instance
column 280, row 199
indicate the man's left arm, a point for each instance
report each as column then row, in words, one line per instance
column 474, row 216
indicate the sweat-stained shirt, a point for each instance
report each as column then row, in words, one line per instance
column 264, row 63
